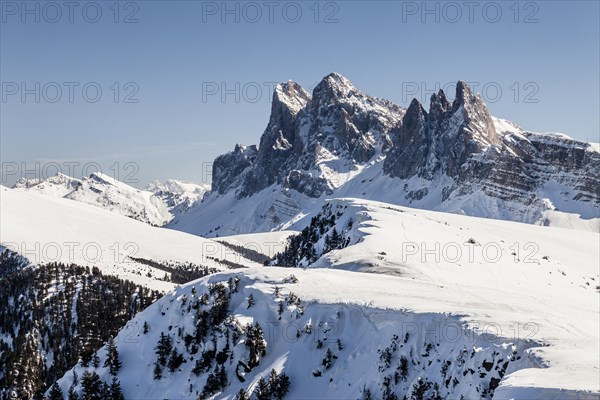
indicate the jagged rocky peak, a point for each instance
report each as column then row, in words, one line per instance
column 57, row 185
column 337, row 121
column 332, row 87
column 250, row 169
column 413, row 144
column 58, row 179
column 414, row 125
column 349, row 123
column 228, row 168
column 289, row 99
column 26, row 183
column 439, row 109
column 453, row 156
column 337, row 89
column 278, row 141
column 439, row 104
column 476, row 117
column 291, row 96
column 460, row 141
column 415, row 109
column 445, row 138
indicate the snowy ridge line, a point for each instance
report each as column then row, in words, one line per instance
column 92, row 252
column 50, row 229
column 339, row 142
column 334, row 339
column 156, row 205
column 351, row 213
column 533, row 263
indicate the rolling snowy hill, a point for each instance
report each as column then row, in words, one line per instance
column 413, row 302
column 50, row 229
column 156, row 205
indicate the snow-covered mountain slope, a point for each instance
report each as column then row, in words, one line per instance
column 226, row 215
column 46, row 229
column 518, row 269
column 417, row 303
column 58, row 185
column 179, row 196
column 156, row 205
column 329, row 344
column 569, row 221
column 267, row 243
column 276, row 207
column 103, row 191
column 341, row 142
column 53, row 315
column 174, row 187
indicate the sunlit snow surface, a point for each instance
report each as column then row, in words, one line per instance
column 46, row 229
column 512, row 284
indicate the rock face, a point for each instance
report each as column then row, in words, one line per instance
column 461, row 142
column 228, row 169
column 280, row 142
column 337, row 122
column 444, row 139
column 455, row 157
column 177, row 195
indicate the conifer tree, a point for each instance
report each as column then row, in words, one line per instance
column 263, row 392
column 282, row 387
column 116, row 393
column 163, row 348
column 72, row 394
column 112, row 358
column 104, row 391
column 157, row 371
column 55, row 393
column 256, row 343
column 91, row 386
column 273, row 378
column 222, row 377
column 175, row 360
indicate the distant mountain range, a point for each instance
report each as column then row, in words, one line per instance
column 341, row 142
column 156, row 205
column 335, row 276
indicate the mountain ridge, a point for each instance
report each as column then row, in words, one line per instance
column 456, row 157
column 483, row 326
column 155, row 205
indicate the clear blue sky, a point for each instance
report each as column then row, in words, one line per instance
column 546, row 51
